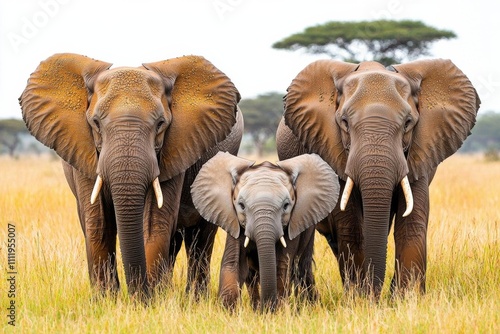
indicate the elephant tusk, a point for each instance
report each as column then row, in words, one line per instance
column 283, row 242
column 159, row 195
column 96, row 190
column 247, row 240
column 405, row 184
column 346, row 194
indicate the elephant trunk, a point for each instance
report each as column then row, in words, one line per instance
column 129, row 209
column 266, row 236
column 377, row 174
column 376, row 211
column 129, row 173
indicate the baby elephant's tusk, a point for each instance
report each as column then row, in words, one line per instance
column 247, row 240
column 283, row 242
column 96, row 190
column 158, row 193
column 346, row 194
column 405, row 184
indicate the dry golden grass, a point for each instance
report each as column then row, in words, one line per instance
column 53, row 293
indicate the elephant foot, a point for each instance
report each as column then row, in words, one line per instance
column 197, row 289
column 229, row 288
column 307, row 293
column 406, row 285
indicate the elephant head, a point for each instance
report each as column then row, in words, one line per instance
column 129, row 128
column 266, row 201
column 380, row 128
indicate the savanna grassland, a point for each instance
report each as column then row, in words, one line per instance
column 53, row 295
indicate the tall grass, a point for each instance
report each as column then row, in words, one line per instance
column 53, row 292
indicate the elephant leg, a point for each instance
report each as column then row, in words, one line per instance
column 305, row 286
column 160, row 226
column 199, row 242
column 410, row 236
column 100, row 244
column 99, row 228
column 284, row 267
column 175, row 246
column 234, row 272
column 252, row 283
column 346, row 226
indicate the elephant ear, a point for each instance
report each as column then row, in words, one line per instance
column 310, row 106
column 203, row 103
column 212, row 190
column 54, row 106
column 447, row 106
column 316, row 189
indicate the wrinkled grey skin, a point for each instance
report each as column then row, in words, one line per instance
column 377, row 126
column 263, row 204
column 130, row 126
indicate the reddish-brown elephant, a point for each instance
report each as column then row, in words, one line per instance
column 384, row 131
column 132, row 141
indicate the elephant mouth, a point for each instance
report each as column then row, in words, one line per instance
column 405, row 185
column 98, row 185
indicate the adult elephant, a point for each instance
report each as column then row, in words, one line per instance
column 132, row 141
column 257, row 205
column 384, row 131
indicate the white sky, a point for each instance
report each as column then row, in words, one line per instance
column 235, row 35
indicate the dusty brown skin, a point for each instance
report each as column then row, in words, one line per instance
column 131, row 126
column 269, row 212
column 376, row 126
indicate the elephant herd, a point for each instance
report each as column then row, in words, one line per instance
column 150, row 154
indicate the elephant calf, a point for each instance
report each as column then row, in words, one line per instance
column 257, row 205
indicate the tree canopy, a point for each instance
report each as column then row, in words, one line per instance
column 262, row 116
column 386, row 41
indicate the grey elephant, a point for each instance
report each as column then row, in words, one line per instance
column 384, row 131
column 259, row 205
column 132, row 140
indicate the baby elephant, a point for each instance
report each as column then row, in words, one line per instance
column 258, row 206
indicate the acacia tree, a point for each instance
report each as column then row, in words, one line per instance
column 262, row 116
column 386, row 41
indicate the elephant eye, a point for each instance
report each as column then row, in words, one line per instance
column 241, row 205
column 160, row 125
column 408, row 124
column 97, row 125
column 345, row 123
column 286, row 206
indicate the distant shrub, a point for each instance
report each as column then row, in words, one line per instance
column 491, row 154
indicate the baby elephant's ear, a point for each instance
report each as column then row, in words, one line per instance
column 213, row 188
column 317, row 191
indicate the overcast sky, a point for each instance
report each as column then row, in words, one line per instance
column 235, row 35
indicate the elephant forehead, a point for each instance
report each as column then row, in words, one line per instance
column 377, row 85
column 130, row 88
column 264, row 195
column 262, row 183
column 264, row 177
